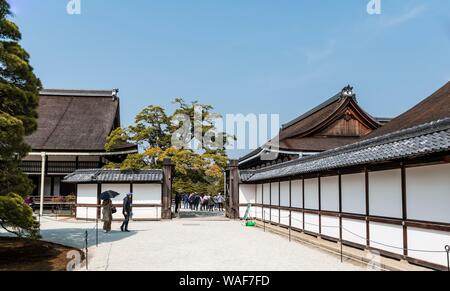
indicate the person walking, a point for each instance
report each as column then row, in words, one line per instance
column 177, row 202
column 127, row 211
column 220, row 201
column 107, row 212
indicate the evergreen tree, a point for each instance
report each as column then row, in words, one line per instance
column 19, row 98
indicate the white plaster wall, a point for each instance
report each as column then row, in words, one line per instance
column 297, row 220
column 123, row 189
column 275, row 199
column 330, row 226
column 430, row 240
column 147, row 194
column 251, row 214
column 354, row 231
column 354, row 193
column 312, row 194
column 385, row 193
column 384, row 235
column 152, row 213
column 329, row 188
column 266, row 194
column 312, row 223
column 266, row 214
column 428, row 193
column 284, row 194
column 259, row 213
column 284, row 217
column 259, row 193
column 87, row 194
column 247, row 194
column 275, row 217
column 297, row 193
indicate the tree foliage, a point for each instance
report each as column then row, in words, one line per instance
column 19, row 98
column 198, row 171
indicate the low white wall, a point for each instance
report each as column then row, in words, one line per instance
column 427, row 245
column 247, row 194
column 275, row 215
column 297, row 193
column 284, row 217
column 330, row 226
column 297, row 220
column 385, row 193
column 284, row 194
column 312, row 194
column 354, row 231
column 258, row 212
column 329, row 193
column 388, row 237
column 312, row 223
column 87, row 194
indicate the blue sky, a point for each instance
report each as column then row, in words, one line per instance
column 242, row 56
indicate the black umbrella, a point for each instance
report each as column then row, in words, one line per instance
column 108, row 195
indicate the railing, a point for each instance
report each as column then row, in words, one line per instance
column 58, row 167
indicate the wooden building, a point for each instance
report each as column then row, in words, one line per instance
column 72, row 129
column 388, row 192
column 336, row 122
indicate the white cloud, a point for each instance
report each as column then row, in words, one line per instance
column 406, row 16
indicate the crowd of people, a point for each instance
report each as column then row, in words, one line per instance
column 199, row 202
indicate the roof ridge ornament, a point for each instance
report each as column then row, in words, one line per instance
column 115, row 94
column 347, row 92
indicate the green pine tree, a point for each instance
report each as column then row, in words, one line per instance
column 19, row 99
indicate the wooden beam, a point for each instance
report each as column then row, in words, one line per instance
column 404, row 211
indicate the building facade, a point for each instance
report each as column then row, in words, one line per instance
column 73, row 126
column 388, row 192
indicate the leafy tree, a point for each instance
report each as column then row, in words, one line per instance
column 19, row 98
column 195, row 171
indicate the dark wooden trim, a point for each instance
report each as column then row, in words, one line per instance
column 270, row 202
column 279, row 202
column 404, row 210
column 428, row 225
column 366, row 174
column 353, row 216
column 320, row 204
column 303, row 201
column 119, row 205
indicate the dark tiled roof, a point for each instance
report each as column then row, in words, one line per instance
column 435, row 107
column 418, row 141
column 105, row 176
column 75, row 120
column 299, row 135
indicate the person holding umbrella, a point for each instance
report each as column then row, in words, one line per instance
column 127, row 211
column 108, row 209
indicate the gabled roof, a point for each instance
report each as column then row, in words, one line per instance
column 425, row 139
column 111, row 176
column 435, row 107
column 75, row 120
column 303, row 134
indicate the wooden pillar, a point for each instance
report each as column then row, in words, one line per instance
column 233, row 199
column 167, row 189
column 404, row 212
column 366, row 171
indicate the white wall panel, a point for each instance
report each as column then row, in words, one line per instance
column 385, row 193
column 312, row 194
column 150, row 213
column 87, row 194
column 354, row 231
column 259, row 213
column 297, row 193
column 259, row 188
column 428, row 193
column 284, row 217
column 275, row 199
column 266, row 194
column 330, row 226
column 251, row 213
column 312, row 223
column 297, row 220
column 330, row 193
column 354, row 193
column 147, row 194
column 429, row 240
column 284, row 194
column 275, row 215
column 247, row 194
column 384, row 235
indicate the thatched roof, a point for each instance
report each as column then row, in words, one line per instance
column 75, row 120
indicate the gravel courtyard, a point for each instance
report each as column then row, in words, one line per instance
column 191, row 245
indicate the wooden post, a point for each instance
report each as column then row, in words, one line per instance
column 167, row 189
column 233, row 199
column 43, row 167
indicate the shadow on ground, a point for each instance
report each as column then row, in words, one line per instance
column 76, row 237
